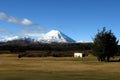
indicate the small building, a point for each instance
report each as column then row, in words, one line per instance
column 81, row 55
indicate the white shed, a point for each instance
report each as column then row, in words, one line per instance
column 79, row 55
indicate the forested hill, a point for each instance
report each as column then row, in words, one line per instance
column 54, row 49
column 23, row 45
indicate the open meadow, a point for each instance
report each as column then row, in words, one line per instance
column 57, row 68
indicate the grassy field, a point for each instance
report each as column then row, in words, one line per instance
column 62, row 68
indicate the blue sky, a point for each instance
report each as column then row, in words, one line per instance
column 79, row 19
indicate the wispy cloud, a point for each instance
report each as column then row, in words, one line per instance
column 5, row 31
column 3, row 16
column 14, row 20
column 33, row 32
column 6, row 35
column 25, row 32
column 26, row 22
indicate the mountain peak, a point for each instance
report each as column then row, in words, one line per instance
column 53, row 32
column 56, row 31
column 53, row 36
column 56, row 36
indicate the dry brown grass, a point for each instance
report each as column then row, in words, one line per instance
column 89, row 66
column 61, row 64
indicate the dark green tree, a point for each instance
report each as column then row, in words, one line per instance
column 105, row 45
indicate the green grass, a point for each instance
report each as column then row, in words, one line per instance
column 62, row 68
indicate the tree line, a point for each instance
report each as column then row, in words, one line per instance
column 22, row 46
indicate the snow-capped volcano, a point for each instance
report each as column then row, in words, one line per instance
column 53, row 36
column 56, row 36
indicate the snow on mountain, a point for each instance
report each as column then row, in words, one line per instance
column 84, row 41
column 55, row 36
column 5, row 39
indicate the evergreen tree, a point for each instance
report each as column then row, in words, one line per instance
column 105, row 45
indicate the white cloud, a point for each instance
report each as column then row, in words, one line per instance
column 5, row 31
column 3, row 15
column 26, row 22
column 7, row 35
column 33, row 32
column 37, row 30
column 14, row 20
column 38, row 35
